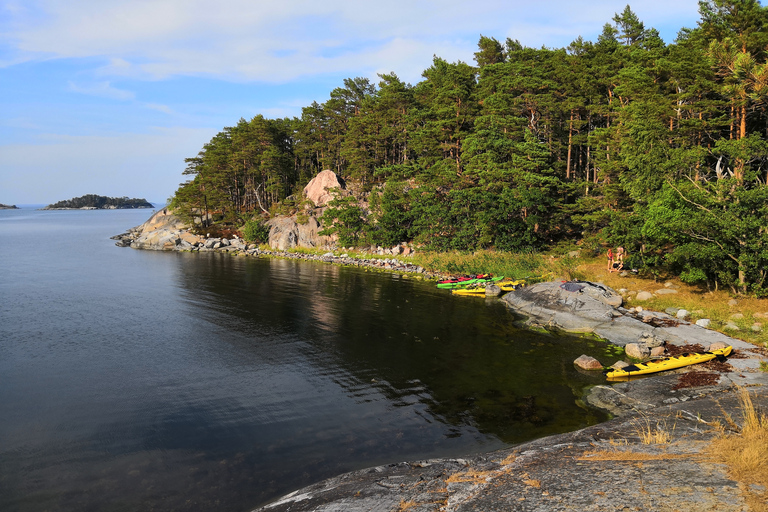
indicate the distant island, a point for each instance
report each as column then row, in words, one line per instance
column 94, row 202
column 7, row 207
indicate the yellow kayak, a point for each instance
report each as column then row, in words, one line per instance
column 668, row 363
column 479, row 290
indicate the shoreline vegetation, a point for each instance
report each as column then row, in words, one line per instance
column 96, row 202
column 8, row 207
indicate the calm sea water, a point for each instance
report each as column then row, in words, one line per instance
column 140, row 380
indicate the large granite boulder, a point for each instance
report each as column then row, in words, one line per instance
column 286, row 233
column 572, row 306
column 586, row 307
column 163, row 219
column 318, row 190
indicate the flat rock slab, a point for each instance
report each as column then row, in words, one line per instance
column 595, row 308
column 604, row 467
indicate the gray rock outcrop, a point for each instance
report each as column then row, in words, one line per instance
column 166, row 232
column 573, row 307
column 163, row 231
column 287, row 232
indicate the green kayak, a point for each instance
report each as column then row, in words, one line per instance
column 463, row 282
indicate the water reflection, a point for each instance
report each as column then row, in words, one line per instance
column 454, row 360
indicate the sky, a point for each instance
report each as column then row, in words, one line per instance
column 108, row 97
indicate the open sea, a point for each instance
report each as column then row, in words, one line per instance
column 140, row 380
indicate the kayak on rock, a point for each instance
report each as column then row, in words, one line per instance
column 668, row 363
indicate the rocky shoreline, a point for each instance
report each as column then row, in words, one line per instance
column 604, row 467
column 163, row 232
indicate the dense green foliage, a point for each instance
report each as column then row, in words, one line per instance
column 255, row 230
column 630, row 141
column 100, row 202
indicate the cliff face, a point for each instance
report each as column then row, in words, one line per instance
column 286, row 232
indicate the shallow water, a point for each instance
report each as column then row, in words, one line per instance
column 139, row 380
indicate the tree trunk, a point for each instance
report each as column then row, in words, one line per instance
column 743, row 121
column 570, row 147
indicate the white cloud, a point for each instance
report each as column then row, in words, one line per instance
column 102, row 90
column 245, row 40
column 165, row 109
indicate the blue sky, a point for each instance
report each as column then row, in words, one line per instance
column 109, row 96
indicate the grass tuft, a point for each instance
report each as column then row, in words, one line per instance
column 618, row 455
column 654, row 434
column 746, row 453
column 472, row 476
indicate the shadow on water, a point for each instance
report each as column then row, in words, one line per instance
column 423, row 373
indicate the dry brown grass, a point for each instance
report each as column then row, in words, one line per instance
column 746, row 453
column 658, row 433
column 472, row 476
column 532, row 483
column 631, row 456
column 512, row 457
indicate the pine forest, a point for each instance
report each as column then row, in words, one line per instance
column 626, row 140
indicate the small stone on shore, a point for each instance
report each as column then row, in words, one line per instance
column 618, row 365
column 586, row 362
column 637, row 350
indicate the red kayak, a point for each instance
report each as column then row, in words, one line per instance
column 463, row 280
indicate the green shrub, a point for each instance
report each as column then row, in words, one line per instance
column 255, row 230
